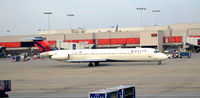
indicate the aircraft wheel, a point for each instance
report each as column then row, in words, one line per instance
column 90, row 64
column 96, row 63
column 6, row 95
column 159, row 62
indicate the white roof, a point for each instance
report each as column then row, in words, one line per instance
column 122, row 87
column 104, row 91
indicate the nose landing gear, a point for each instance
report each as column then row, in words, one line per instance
column 159, row 62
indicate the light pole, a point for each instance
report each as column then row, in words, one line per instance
column 70, row 15
column 48, row 13
column 141, row 9
column 156, row 11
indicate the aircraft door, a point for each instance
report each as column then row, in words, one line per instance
column 150, row 56
column 68, row 56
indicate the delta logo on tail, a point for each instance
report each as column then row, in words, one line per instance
column 42, row 44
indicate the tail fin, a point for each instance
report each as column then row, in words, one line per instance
column 116, row 30
column 42, row 44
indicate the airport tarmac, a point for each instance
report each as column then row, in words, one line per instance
column 175, row 78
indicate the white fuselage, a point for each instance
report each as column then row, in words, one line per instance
column 106, row 55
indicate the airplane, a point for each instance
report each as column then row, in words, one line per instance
column 94, row 56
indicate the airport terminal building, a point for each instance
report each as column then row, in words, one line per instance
column 161, row 37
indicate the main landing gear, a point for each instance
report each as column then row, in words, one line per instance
column 159, row 62
column 91, row 64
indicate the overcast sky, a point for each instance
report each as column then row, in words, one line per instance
column 25, row 17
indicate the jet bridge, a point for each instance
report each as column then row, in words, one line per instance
column 192, row 43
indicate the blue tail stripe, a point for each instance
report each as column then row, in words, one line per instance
column 44, row 50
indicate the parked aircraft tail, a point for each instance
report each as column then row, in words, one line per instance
column 42, row 44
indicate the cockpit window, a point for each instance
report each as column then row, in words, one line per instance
column 156, row 51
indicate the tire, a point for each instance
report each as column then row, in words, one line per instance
column 159, row 62
column 96, row 63
column 90, row 64
column 6, row 95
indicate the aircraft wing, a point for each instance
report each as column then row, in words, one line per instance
column 87, row 60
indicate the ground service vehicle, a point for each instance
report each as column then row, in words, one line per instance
column 2, row 51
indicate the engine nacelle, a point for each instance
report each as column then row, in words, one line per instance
column 59, row 57
column 44, row 54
